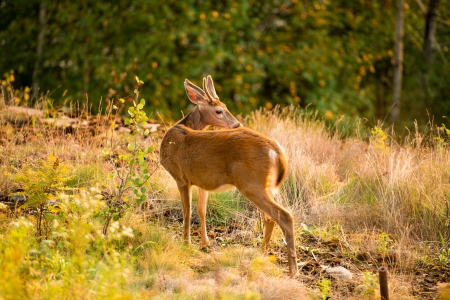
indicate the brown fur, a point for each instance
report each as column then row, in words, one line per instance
column 196, row 153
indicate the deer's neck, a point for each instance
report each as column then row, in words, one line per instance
column 193, row 120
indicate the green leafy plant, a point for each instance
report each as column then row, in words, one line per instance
column 40, row 184
column 443, row 256
column 369, row 286
column 384, row 243
column 324, row 288
column 441, row 138
column 135, row 173
column 75, row 259
column 378, row 138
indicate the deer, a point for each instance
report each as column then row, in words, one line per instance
column 217, row 160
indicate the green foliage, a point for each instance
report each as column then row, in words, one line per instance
column 443, row 256
column 327, row 232
column 138, row 156
column 76, row 261
column 441, row 138
column 369, row 286
column 384, row 243
column 378, row 138
column 135, row 174
column 324, row 288
column 333, row 55
column 41, row 181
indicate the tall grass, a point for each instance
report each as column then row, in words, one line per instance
column 369, row 181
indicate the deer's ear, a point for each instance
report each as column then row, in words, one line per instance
column 210, row 90
column 194, row 93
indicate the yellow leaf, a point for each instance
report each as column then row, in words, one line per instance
column 51, row 158
column 53, row 209
column 53, row 197
column 329, row 114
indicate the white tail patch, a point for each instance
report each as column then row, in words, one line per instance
column 273, row 156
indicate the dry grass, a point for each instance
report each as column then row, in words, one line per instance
column 370, row 186
column 390, row 201
column 403, row 189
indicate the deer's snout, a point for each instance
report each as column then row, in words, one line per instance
column 237, row 125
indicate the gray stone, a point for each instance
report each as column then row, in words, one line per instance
column 339, row 272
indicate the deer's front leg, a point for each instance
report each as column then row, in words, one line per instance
column 201, row 210
column 186, row 199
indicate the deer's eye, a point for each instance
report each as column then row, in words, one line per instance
column 218, row 112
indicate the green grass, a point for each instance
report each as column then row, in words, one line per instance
column 224, row 207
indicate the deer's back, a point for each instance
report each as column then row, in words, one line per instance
column 210, row 159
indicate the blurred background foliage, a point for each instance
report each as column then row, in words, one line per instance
column 336, row 56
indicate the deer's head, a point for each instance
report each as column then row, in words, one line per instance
column 211, row 110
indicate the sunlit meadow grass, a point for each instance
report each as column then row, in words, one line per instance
column 401, row 188
column 368, row 187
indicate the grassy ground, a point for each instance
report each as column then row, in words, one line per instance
column 360, row 200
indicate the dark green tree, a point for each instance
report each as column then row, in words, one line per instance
column 336, row 56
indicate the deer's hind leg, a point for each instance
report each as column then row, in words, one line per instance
column 263, row 199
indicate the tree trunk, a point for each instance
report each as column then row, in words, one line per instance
column 430, row 30
column 398, row 58
column 39, row 48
